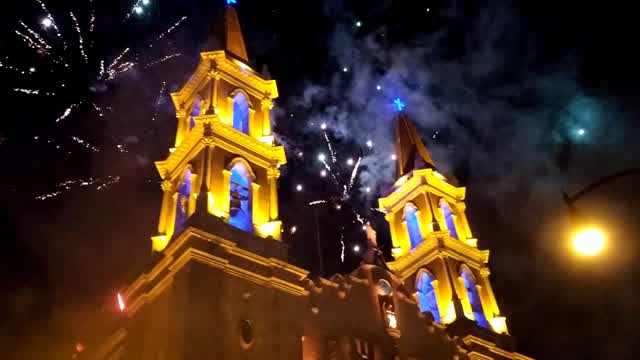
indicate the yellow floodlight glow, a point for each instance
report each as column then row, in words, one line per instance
column 589, row 241
column 450, row 315
column 159, row 242
column 499, row 324
column 271, row 228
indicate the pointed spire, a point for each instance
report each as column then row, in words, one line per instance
column 411, row 153
column 233, row 39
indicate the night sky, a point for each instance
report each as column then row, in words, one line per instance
column 517, row 100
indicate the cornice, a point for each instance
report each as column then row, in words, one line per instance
column 224, row 136
column 162, row 274
column 435, row 245
column 470, row 339
column 422, row 181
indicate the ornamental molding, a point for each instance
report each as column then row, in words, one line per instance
column 210, row 131
column 438, row 244
column 422, row 181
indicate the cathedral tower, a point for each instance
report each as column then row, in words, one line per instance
column 224, row 153
column 435, row 252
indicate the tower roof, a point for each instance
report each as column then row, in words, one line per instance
column 228, row 35
column 411, row 153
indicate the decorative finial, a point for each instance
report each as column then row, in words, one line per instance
column 399, row 104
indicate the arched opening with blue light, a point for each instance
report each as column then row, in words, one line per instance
column 195, row 111
column 240, row 196
column 182, row 201
column 413, row 224
column 241, row 113
column 474, row 298
column 426, row 294
column 449, row 219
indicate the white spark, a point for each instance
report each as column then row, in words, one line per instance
column 358, row 23
column 323, row 126
column 369, row 143
column 67, row 112
column 170, row 29
column 84, row 143
column 317, row 202
column 323, row 173
column 350, row 161
column 321, row 157
column 299, row 187
column 356, row 248
column 393, row 157
column 345, row 69
column 378, row 87
column 163, row 59
column 293, row 230
column 46, row 22
column 80, row 40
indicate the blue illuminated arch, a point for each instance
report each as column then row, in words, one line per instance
column 449, row 219
column 182, row 200
column 195, row 111
column 474, row 298
column 240, row 194
column 413, row 224
column 241, row 112
column 426, row 294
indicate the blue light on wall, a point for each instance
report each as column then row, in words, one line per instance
column 449, row 220
column 241, row 113
column 427, row 296
column 413, row 225
column 240, row 183
column 182, row 205
column 231, row 2
column 474, row 298
column 399, row 104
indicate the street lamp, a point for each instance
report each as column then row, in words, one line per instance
column 590, row 240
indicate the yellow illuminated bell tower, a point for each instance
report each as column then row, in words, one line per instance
column 224, row 149
column 435, row 252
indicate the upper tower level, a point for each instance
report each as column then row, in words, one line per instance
column 224, row 149
column 434, row 249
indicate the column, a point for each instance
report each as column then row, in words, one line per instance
column 272, row 176
column 224, row 193
column 266, row 106
column 167, row 191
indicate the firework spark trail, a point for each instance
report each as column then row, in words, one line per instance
column 13, row 68
column 333, row 154
column 161, row 60
column 80, row 40
column 354, row 173
column 35, row 35
column 342, row 243
column 85, row 143
column 170, row 29
column 32, row 92
column 92, row 18
column 32, row 44
column 67, row 111
column 317, row 202
column 100, row 183
column 98, row 109
column 158, row 99
column 53, row 23
column 115, row 68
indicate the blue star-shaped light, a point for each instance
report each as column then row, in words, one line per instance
column 399, row 104
column 231, row 2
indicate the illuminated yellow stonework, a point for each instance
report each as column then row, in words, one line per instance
column 438, row 252
column 208, row 128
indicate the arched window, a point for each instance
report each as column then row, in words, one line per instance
column 449, row 219
column 182, row 203
column 427, row 295
column 241, row 113
column 413, row 225
column 474, row 298
column 240, row 197
column 195, row 111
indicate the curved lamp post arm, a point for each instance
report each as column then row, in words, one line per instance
column 605, row 180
